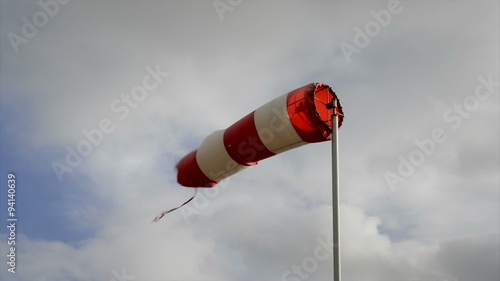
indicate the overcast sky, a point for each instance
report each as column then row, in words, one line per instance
column 419, row 147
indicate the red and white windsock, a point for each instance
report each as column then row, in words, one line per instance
column 300, row 117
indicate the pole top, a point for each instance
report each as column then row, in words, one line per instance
column 332, row 105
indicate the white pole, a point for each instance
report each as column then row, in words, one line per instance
column 335, row 193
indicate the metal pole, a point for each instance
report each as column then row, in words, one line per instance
column 335, row 193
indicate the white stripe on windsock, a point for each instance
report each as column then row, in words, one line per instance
column 274, row 126
column 213, row 159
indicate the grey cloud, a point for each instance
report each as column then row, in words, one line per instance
column 269, row 217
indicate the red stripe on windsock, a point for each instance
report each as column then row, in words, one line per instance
column 243, row 144
column 308, row 112
column 189, row 173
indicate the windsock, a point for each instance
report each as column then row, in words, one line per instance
column 300, row 117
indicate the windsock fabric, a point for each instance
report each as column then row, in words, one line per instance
column 300, row 117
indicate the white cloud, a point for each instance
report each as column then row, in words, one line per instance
column 269, row 217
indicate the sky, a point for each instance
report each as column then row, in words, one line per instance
column 93, row 165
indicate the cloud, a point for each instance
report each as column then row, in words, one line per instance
column 471, row 258
column 222, row 247
column 440, row 223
